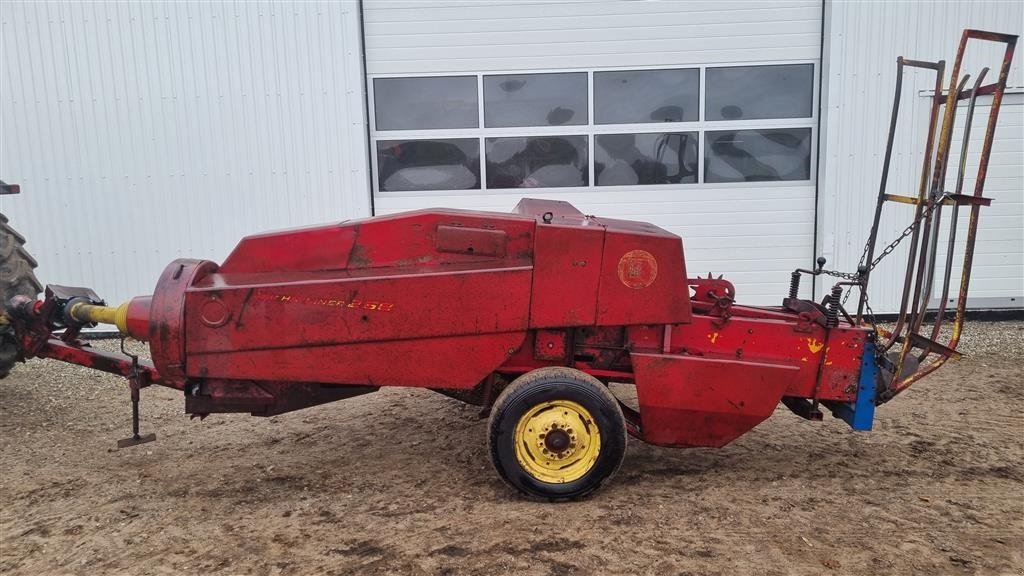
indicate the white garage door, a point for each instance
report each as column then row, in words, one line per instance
column 700, row 117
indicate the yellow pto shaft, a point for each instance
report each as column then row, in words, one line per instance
column 88, row 313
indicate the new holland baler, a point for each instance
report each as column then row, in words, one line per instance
column 532, row 315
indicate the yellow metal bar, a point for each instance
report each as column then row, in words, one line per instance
column 89, row 313
column 947, row 200
column 901, row 199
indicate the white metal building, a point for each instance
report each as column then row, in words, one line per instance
column 754, row 130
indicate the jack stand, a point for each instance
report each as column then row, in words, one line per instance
column 135, row 438
column 134, row 382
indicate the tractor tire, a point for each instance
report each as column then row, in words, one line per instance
column 17, row 267
column 17, row 278
column 556, row 434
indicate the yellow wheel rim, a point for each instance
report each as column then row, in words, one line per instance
column 557, row 441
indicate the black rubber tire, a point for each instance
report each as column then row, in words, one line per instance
column 17, row 267
column 556, row 383
column 17, row 278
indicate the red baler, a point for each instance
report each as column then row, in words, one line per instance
column 530, row 314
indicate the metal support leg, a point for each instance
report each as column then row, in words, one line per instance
column 135, row 384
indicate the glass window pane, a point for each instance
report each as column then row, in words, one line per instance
column 451, row 164
column 425, row 103
column 537, row 162
column 757, row 155
column 752, row 92
column 635, row 96
column 535, row 100
column 631, row 159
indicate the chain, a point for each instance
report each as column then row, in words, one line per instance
column 847, row 295
column 870, row 313
column 844, row 275
column 870, row 316
column 856, row 276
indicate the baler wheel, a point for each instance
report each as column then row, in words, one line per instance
column 557, row 434
column 17, row 278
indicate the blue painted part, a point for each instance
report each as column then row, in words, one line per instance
column 860, row 413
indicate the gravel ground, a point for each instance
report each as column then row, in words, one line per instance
column 985, row 338
column 398, row 482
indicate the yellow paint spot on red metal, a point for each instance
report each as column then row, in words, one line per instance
column 814, row 345
column 713, row 336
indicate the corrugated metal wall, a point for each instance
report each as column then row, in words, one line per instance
column 753, row 233
column 143, row 132
column 861, row 45
column 427, row 36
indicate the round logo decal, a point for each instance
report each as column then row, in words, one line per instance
column 638, row 269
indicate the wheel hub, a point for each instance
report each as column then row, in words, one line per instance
column 557, row 441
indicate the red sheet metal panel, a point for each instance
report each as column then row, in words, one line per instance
column 445, row 362
column 693, row 401
column 770, row 340
column 643, row 279
column 471, row 240
column 567, row 268
column 840, row 367
column 310, row 248
column 550, row 345
column 537, row 208
column 167, row 317
column 411, row 239
column 227, row 313
column 648, row 338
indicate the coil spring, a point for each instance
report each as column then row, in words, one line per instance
column 832, row 311
column 794, row 284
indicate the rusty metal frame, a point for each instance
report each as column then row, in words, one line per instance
column 901, row 62
column 922, row 259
